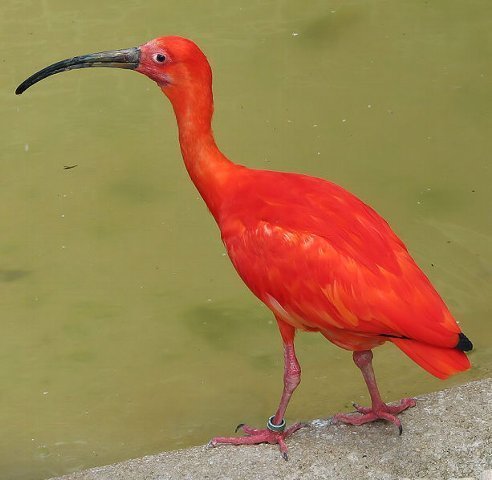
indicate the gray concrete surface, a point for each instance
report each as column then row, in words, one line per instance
column 447, row 436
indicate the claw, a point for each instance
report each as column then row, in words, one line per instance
column 285, row 456
column 241, row 425
column 400, row 429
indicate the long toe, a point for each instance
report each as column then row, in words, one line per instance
column 355, row 418
column 402, row 405
column 247, row 429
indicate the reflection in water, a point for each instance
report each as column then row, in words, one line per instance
column 221, row 324
column 12, row 275
column 125, row 330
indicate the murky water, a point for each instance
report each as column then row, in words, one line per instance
column 125, row 330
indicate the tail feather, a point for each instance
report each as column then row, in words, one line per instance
column 440, row 362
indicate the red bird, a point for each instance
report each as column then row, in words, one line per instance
column 318, row 257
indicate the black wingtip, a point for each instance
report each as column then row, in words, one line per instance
column 464, row 344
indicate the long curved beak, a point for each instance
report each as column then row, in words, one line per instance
column 127, row 58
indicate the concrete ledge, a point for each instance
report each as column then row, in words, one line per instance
column 448, row 435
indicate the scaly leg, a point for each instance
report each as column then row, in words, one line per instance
column 379, row 409
column 275, row 433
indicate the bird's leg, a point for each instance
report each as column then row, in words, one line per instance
column 379, row 410
column 275, row 433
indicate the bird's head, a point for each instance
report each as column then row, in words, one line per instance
column 176, row 64
column 173, row 61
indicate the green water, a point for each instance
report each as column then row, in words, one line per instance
column 125, row 330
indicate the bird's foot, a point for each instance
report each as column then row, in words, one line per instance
column 379, row 412
column 274, row 434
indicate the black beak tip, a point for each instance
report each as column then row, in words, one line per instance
column 24, row 86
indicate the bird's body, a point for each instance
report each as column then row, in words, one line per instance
column 323, row 260
column 316, row 255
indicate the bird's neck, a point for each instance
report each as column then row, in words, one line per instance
column 208, row 167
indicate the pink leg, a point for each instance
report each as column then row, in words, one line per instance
column 275, row 432
column 379, row 409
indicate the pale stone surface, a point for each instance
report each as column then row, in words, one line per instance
column 448, row 435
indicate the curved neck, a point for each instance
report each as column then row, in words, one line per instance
column 208, row 168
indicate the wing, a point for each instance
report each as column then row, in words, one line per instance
column 323, row 260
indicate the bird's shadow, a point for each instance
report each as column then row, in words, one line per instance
column 331, row 27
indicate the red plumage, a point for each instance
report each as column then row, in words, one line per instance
column 322, row 260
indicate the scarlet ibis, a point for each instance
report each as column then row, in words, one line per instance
column 318, row 257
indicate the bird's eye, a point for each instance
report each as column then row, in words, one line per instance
column 159, row 57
